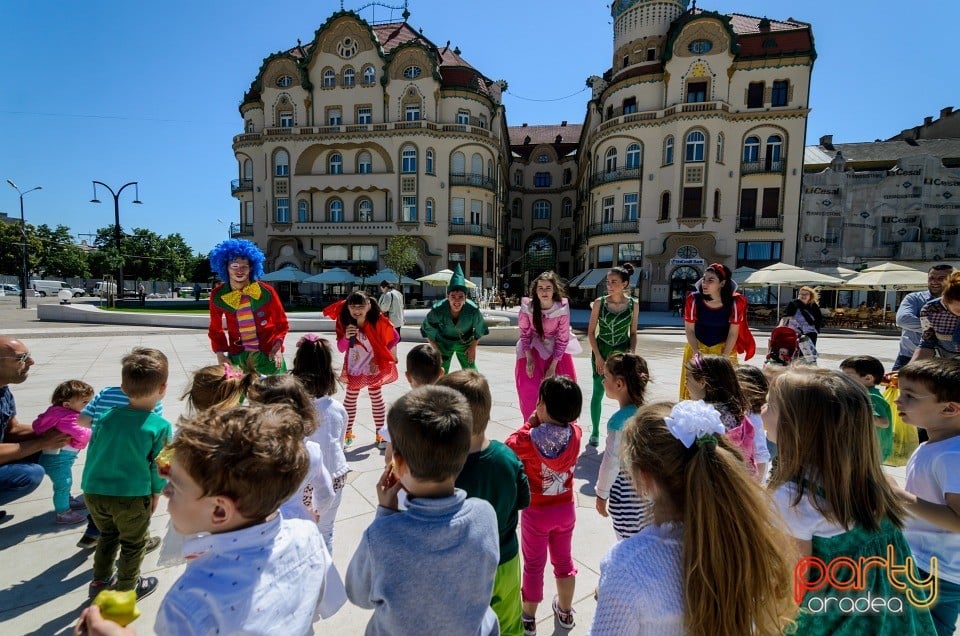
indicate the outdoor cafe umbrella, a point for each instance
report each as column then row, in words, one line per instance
column 286, row 274
column 442, row 279
column 781, row 274
column 333, row 276
column 887, row 276
column 390, row 276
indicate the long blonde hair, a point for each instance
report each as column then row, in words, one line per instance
column 826, row 446
column 737, row 560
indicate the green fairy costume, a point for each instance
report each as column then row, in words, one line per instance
column 454, row 336
column 613, row 336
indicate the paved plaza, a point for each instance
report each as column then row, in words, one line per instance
column 43, row 581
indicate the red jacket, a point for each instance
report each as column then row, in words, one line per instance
column 268, row 312
column 551, row 480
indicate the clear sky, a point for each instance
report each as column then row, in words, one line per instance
column 148, row 91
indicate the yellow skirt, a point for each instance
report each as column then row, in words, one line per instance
column 715, row 350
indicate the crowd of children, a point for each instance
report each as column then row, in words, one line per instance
column 758, row 506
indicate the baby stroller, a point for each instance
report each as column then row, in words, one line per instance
column 784, row 346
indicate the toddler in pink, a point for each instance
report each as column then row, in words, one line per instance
column 68, row 400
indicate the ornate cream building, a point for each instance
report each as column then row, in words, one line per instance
column 366, row 132
column 690, row 151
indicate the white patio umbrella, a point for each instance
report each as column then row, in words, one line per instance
column 888, row 276
column 442, row 279
column 333, row 276
column 781, row 274
column 286, row 274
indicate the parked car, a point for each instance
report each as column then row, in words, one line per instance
column 6, row 289
column 53, row 287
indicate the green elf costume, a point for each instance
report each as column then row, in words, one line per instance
column 455, row 325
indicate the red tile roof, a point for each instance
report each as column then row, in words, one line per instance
column 743, row 24
column 569, row 134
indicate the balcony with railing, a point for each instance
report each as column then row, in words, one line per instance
column 609, row 176
column 750, row 223
column 472, row 229
column 613, row 227
column 299, row 131
column 774, row 166
column 241, row 185
column 472, row 179
column 241, row 229
column 618, row 117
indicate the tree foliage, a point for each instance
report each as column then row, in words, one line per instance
column 401, row 254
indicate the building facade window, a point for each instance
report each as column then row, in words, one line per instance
column 334, row 117
column 412, row 112
column 364, row 115
column 758, row 254
column 751, row 149
column 303, row 212
column 335, row 165
column 515, row 239
column 629, row 105
column 607, row 210
column 247, row 169
column 476, row 212
column 283, row 210
column 665, row 206
column 518, row 178
column 286, row 119
column 408, row 160
column 369, row 75
column 630, row 253
column 412, row 72
column 476, row 164
column 692, row 207
column 771, row 203
column 429, row 163
column 463, row 117
column 428, row 211
column 696, row 92
column 780, row 93
column 458, row 163
column 567, row 176
column 329, row 78
column 755, row 95
column 716, row 205
column 541, row 210
column 457, row 208
column 349, row 77
column 284, row 81
column 694, row 147
column 565, row 238
column 364, row 163
column 335, row 211
column 408, row 209
column 774, row 147
column 566, row 208
column 517, row 211
column 281, row 163
column 541, row 180
column 364, row 211
column 610, row 160
column 630, row 206
column 668, row 151
column 720, row 148
column 633, row 156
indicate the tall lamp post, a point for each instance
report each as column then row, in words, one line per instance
column 116, row 218
column 23, row 246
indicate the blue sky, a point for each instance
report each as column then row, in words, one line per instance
column 148, row 91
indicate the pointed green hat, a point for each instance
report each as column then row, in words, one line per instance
column 457, row 281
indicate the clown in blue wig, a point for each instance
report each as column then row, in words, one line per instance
column 256, row 322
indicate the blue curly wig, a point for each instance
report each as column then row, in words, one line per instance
column 231, row 249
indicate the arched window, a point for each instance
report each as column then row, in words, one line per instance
column 247, row 169
column 364, row 211
column 665, row 206
column 668, row 151
column 329, row 78
column 281, row 163
column 541, row 209
column 249, row 126
column 633, row 156
column 566, row 208
column 751, row 149
column 364, row 163
column 349, row 77
column 694, row 147
column 429, row 211
column 458, row 163
column 610, row 160
column 335, row 211
column 408, row 160
column 720, row 148
column 429, row 162
column 368, row 75
column 335, row 165
column 774, row 146
column 476, row 164
column 489, row 169
column 303, row 211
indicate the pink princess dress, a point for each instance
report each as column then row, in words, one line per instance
column 557, row 342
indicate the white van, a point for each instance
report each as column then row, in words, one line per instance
column 105, row 289
column 53, row 287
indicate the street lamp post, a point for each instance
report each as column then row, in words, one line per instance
column 23, row 246
column 116, row 218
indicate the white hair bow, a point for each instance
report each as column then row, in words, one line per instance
column 690, row 420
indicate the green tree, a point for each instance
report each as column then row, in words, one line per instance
column 11, row 240
column 401, row 254
column 59, row 256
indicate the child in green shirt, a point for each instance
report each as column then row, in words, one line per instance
column 869, row 372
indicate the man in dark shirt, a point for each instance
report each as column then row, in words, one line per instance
column 20, row 474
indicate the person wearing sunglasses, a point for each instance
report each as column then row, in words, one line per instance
column 20, row 447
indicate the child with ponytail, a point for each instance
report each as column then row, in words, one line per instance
column 218, row 386
column 714, row 560
column 625, row 379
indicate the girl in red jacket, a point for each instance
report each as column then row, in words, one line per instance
column 368, row 341
column 548, row 445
